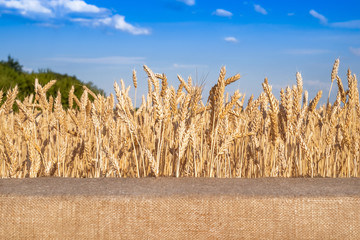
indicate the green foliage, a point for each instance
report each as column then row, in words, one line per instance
column 11, row 74
column 14, row 64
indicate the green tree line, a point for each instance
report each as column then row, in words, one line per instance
column 12, row 74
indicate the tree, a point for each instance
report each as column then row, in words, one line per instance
column 14, row 64
column 11, row 74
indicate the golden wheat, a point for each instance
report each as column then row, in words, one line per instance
column 173, row 133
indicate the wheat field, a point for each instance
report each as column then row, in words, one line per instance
column 175, row 133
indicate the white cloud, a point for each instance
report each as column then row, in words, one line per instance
column 231, row 39
column 120, row 24
column 50, row 25
column 55, row 11
column 26, row 7
column 117, row 21
column 317, row 84
column 322, row 18
column 305, row 51
column 176, row 65
column 27, row 69
column 112, row 60
column 260, row 9
column 354, row 24
column 222, row 13
column 188, row 2
column 355, row 51
column 78, row 6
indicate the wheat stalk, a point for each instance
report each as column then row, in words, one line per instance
column 174, row 133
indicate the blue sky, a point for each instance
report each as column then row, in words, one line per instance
column 102, row 41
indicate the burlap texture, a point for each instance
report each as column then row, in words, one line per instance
column 188, row 208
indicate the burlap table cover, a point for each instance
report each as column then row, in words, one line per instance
column 185, row 208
